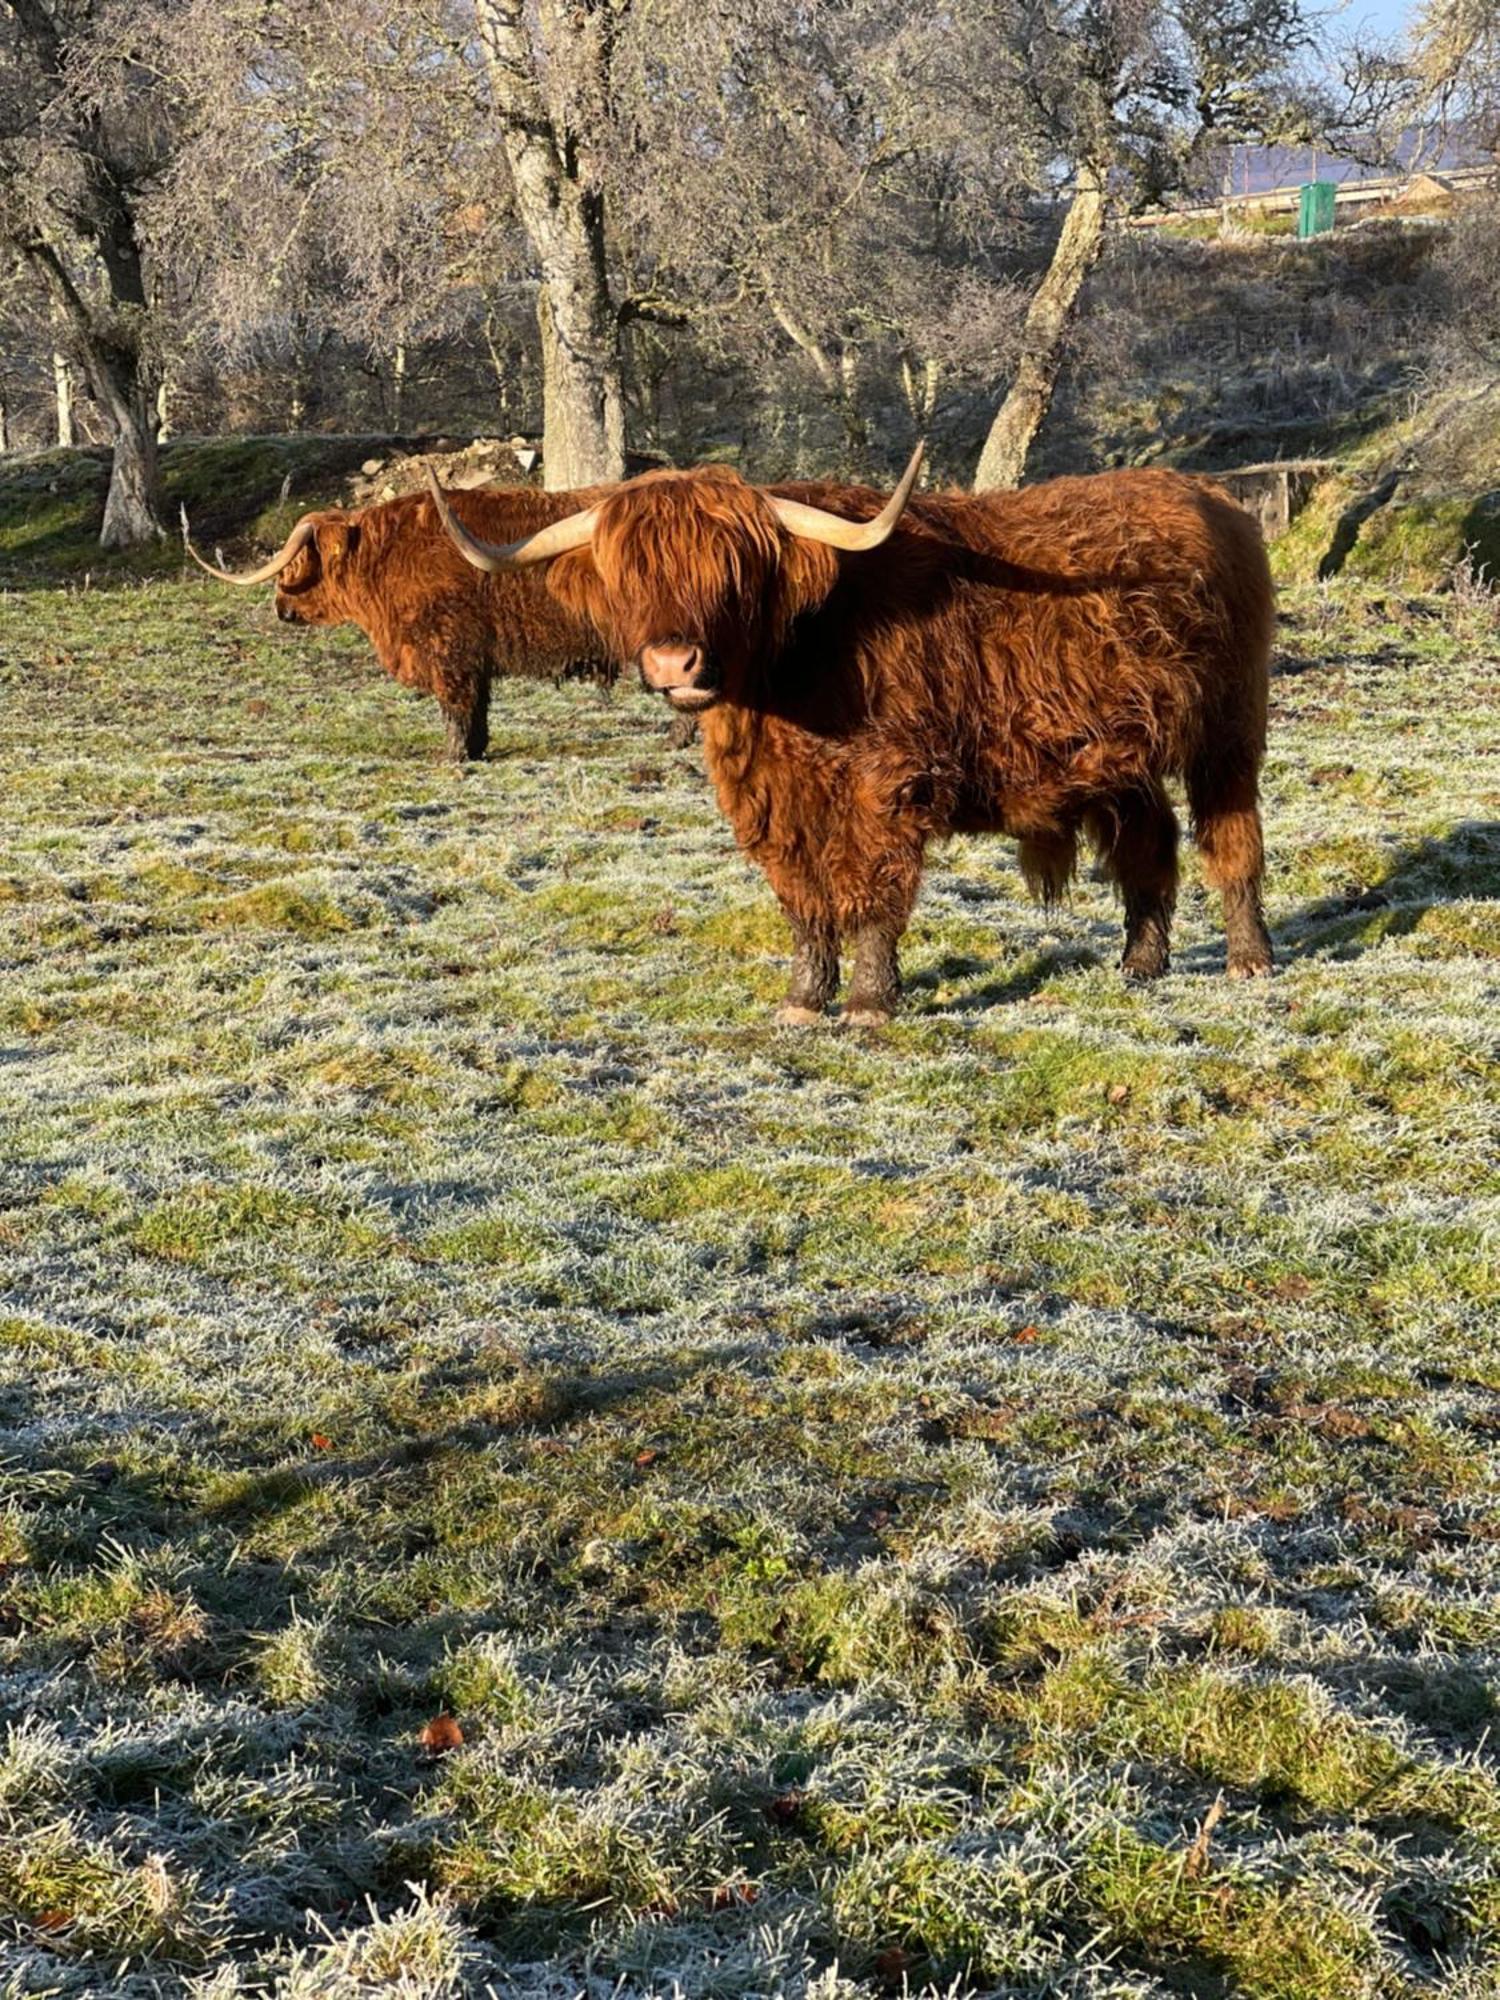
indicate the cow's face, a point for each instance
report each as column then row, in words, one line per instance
column 695, row 576
column 695, row 581
column 313, row 587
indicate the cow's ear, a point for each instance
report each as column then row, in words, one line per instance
column 336, row 540
column 809, row 570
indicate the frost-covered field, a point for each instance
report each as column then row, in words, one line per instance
column 1013, row 1502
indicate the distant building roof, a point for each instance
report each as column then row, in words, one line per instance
column 1259, row 169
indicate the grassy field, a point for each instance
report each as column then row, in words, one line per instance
column 1011, row 1504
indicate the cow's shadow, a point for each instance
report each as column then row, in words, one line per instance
column 1037, row 968
column 1458, row 866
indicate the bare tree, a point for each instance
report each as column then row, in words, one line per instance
column 1131, row 92
column 852, row 208
column 1455, row 61
column 75, row 158
column 370, row 202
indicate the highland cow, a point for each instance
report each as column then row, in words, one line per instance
column 435, row 626
column 1035, row 663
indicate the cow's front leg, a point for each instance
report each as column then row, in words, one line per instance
column 815, row 972
column 875, row 984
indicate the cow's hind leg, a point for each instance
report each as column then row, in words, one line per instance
column 1226, row 826
column 815, row 972
column 477, row 734
column 1135, row 837
column 465, row 702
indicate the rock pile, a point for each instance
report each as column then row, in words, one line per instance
column 484, row 462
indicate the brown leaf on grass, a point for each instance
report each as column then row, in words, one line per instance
column 1196, row 1858
column 53, row 1920
column 893, row 1963
column 440, row 1736
column 1024, row 1335
column 647, row 1457
column 1333, row 1420
column 320, row 1441
column 730, row 1894
column 1118, row 1093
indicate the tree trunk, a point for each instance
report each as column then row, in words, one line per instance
column 132, row 509
column 583, row 408
column 561, row 208
column 1020, row 416
column 130, row 506
column 398, row 386
column 921, row 395
column 840, row 378
column 121, row 380
column 62, row 389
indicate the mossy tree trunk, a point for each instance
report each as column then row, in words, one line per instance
column 1002, row 463
column 560, row 202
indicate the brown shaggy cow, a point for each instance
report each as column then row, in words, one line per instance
column 1033, row 663
column 434, row 624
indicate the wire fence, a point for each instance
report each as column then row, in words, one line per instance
column 1293, row 335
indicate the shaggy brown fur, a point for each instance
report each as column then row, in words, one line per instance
column 1033, row 663
column 437, row 625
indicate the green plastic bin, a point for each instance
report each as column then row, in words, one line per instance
column 1315, row 207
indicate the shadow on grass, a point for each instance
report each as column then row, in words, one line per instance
column 1038, row 970
column 1461, row 865
column 221, row 1544
column 1351, row 520
column 1448, row 1699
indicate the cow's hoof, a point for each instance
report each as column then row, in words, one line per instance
column 1142, row 966
column 865, row 1017
column 1250, row 968
column 791, row 1016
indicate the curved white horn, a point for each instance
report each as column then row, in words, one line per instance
column 554, row 540
column 300, row 536
column 814, row 525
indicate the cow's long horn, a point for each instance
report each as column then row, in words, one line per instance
column 300, row 536
column 814, row 525
column 553, row 540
